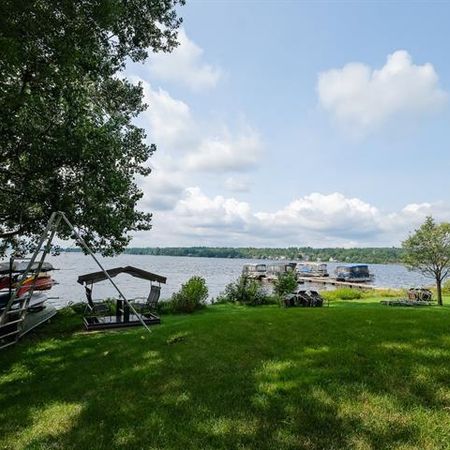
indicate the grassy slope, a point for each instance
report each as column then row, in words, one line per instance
column 355, row 375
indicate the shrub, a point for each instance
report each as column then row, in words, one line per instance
column 192, row 296
column 78, row 308
column 165, row 307
column 285, row 284
column 245, row 291
column 272, row 300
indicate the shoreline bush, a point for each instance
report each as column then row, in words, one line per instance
column 245, row 291
column 191, row 297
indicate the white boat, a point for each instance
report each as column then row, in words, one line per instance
column 254, row 271
column 277, row 269
column 312, row 270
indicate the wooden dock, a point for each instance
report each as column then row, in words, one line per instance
column 334, row 282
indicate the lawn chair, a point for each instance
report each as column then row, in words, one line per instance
column 316, row 299
column 152, row 301
column 420, row 294
column 303, row 298
column 93, row 308
column 288, row 300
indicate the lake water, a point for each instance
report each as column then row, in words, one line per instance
column 218, row 272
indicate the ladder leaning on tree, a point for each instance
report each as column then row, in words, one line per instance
column 13, row 316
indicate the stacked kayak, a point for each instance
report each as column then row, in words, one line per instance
column 23, row 298
column 33, row 287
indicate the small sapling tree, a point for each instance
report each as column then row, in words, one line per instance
column 427, row 251
column 285, row 284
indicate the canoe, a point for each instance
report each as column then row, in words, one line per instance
column 21, row 266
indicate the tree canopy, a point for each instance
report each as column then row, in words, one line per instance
column 427, row 251
column 375, row 255
column 68, row 141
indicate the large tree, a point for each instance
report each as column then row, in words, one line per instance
column 427, row 251
column 67, row 138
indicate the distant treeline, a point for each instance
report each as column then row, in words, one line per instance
column 368, row 255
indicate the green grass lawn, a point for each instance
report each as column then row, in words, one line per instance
column 356, row 375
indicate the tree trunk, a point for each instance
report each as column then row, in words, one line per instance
column 439, row 291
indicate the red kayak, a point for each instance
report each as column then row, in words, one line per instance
column 43, row 283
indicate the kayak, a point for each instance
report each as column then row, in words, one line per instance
column 43, row 283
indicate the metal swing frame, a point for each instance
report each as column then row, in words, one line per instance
column 99, row 315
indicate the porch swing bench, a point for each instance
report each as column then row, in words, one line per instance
column 106, row 315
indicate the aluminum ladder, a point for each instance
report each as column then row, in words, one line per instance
column 16, row 309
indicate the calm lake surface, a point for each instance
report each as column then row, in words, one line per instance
column 218, row 272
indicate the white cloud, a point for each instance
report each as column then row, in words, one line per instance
column 412, row 215
column 162, row 189
column 362, row 99
column 315, row 219
column 169, row 120
column 187, row 147
column 197, row 145
column 333, row 213
column 227, row 152
column 185, row 66
column 217, row 212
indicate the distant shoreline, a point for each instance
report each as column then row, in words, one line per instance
column 369, row 255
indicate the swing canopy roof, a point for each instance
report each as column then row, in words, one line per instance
column 96, row 277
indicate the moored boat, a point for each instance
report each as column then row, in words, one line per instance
column 277, row 269
column 356, row 273
column 312, row 270
column 254, row 271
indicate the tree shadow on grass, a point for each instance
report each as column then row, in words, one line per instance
column 263, row 379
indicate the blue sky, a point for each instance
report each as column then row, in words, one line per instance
column 298, row 123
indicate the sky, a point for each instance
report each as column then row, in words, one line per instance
column 290, row 123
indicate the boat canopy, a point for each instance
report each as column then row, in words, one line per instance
column 353, row 267
column 255, row 267
column 96, row 277
column 312, row 264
